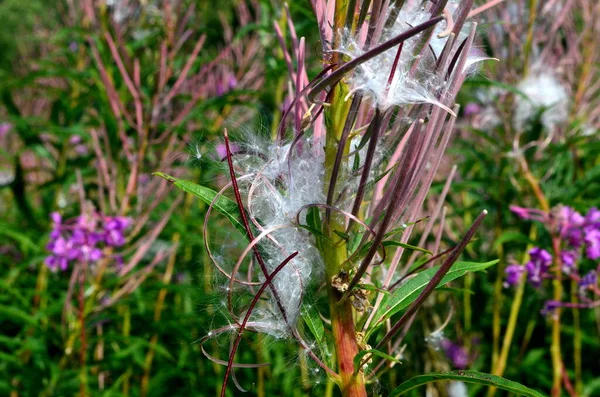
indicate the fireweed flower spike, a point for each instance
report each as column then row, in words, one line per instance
column 378, row 118
column 83, row 238
column 578, row 238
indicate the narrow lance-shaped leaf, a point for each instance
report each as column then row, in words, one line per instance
column 223, row 205
column 404, row 295
column 435, row 281
column 467, row 377
column 313, row 321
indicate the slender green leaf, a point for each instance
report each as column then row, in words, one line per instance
column 314, row 231
column 9, row 358
column 223, row 205
column 405, row 294
column 371, row 287
column 313, row 218
column 17, row 315
column 511, row 236
column 406, row 246
column 310, row 315
column 592, row 388
column 25, row 243
column 467, row 377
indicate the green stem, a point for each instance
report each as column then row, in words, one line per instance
column 576, row 340
column 555, row 350
column 496, row 317
column 467, row 304
column 512, row 322
column 555, row 346
column 527, row 338
column 529, row 41
column 126, row 311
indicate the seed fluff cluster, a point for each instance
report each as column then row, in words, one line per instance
column 276, row 192
column 413, row 77
column 543, row 93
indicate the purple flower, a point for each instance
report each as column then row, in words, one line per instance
column 221, row 150
column 530, row 213
column 114, row 229
column 591, row 278
column 570, row 223
column 570, row 218
column 60, row 247
column 457, row 354
column 75, row 140
column 538, row 265
column 592, row 241
column 56, row 262
column 569, row 260
column 89, row 253
column 513, row 274
column 119, row 261
column 144, row 179
column 85, row 223
column 232, row 82
column 79, row 236
column 550, row 307
column 471, row 109
column 56, row 218
column 4, row 129
column 227, row 84
column 592, row 218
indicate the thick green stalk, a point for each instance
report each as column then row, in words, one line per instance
column 342, row 321
column 334, row 253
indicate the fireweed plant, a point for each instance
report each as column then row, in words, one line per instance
column 344, row 180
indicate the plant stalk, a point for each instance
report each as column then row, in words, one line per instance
column 334, row 248
column 500, row 365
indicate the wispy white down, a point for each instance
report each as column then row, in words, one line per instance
column 275, row 194
column 457, row 389
column 544, row 93
column 372, row 77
